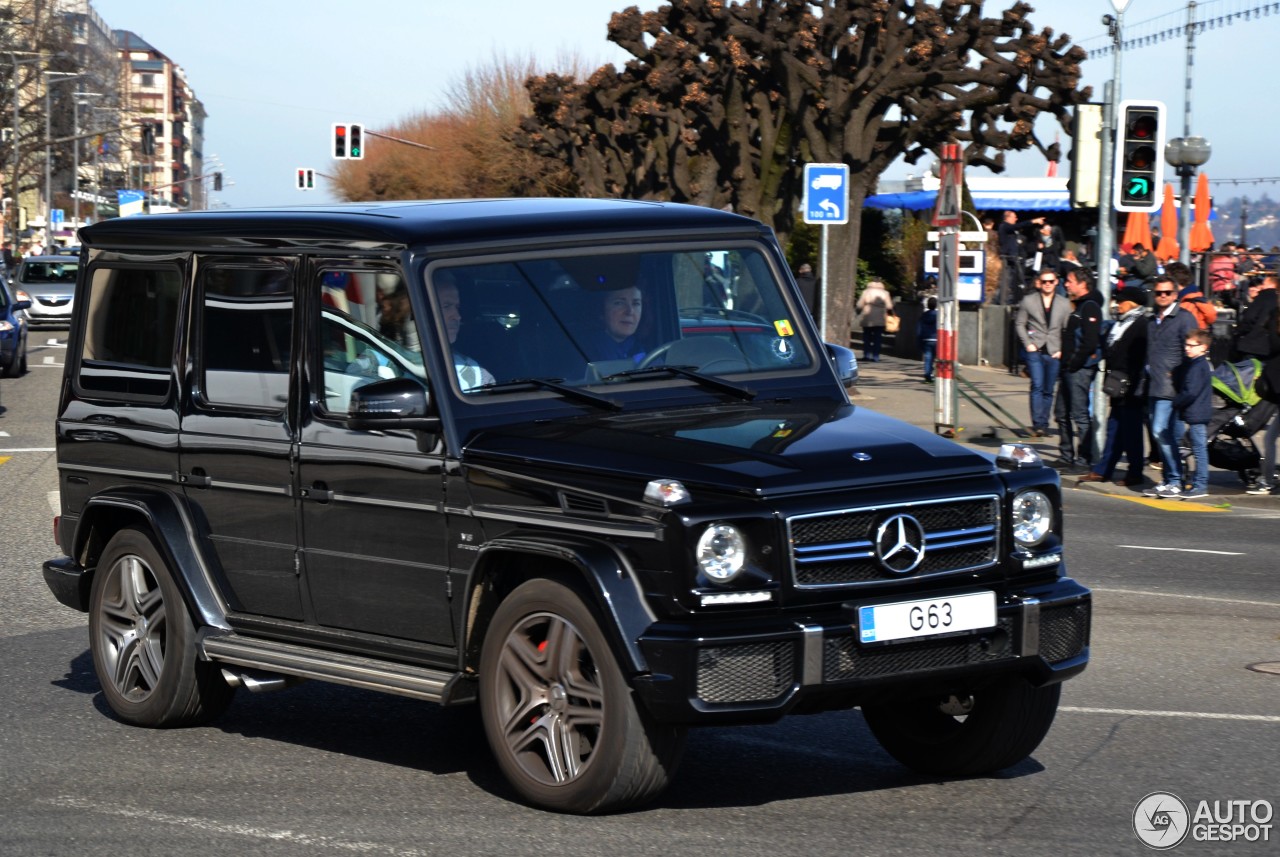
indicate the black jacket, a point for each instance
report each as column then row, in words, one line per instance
column 1128, row 353
column 1080, row 338
column 1256, row 334
column 1194, row 401
column 1166, row 351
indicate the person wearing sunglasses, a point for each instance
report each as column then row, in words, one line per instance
column 1166, row 340
column 1040, row 320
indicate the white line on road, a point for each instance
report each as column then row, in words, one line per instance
column 1194, row 715
column 29, row 449
column 1179, row 550
column 1193, row 597
column 267, row 834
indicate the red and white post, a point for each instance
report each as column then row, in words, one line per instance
column 946, row 218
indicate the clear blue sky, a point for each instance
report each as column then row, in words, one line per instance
column 275, row 74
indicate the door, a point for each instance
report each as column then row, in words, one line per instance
column 373, row 530
column 236, row 435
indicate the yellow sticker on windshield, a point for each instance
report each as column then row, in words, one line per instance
column 783, row 327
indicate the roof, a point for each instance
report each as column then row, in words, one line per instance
column 394, row 225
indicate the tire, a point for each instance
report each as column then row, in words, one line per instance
column 995, row 728
column 558, row 714
column 143, row 641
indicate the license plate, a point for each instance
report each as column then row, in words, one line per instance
column 907, row 619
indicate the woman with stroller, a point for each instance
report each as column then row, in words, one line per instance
column 1126, row 356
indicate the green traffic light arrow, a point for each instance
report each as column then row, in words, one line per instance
column 1138, row 186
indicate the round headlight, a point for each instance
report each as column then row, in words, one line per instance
column 1032, row 517
column 721, row 552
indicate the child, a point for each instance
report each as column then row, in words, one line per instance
column 1194, row 405
column 927, row 336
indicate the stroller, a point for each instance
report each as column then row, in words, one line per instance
column 1240, row 414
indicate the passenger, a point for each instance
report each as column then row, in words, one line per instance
column 395, row 318
column 618, row 339
column 470, row 373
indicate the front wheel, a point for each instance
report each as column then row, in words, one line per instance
column 143, row 641
column 558, row 713
column 989, row 730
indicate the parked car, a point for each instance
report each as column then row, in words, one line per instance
column 583, row 464
column 13, row 332
column 49, row 283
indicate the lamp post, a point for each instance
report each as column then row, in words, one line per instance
column 48, row 152
column 75, row 168
column 1186, row 153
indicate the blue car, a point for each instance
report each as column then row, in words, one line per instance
column 13, row 333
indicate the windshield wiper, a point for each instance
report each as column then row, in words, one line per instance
column 708, row 381
column 553, row 384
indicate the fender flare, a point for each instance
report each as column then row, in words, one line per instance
column 608, row 576
column 176, row 537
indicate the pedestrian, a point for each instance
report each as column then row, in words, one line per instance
column 874, row 305
column 1166, row 338
column 1126, row 355
column 808, row 284
column 1140, row 268
column 1050, row 246
column 1040, row 320
column 1082, row 349
column 1190, row 297
column 927, row 336
column 1222, row 275
column 1012, row 256
column 1256, row 334
column 1194, row 406
column 1269, row 389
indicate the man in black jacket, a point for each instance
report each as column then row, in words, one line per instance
column 1166, row 347
column 1009, row 234
column 1126, row 351
column 1081, row 353
column 1256, row 334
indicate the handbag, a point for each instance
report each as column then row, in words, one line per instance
column 891, row 322
column 1116, row 384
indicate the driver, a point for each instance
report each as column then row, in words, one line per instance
column 621, row 310
column 470, row 373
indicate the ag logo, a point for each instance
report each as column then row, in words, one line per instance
column 1161, row 820
column 900, row 544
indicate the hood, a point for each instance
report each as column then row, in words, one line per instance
column 766, row 449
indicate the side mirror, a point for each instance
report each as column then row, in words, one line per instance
column 845, row 362
column 395, row 403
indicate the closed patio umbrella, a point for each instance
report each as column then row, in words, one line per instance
column 1137, row 230
column 1201, row 235
column 1167, row 249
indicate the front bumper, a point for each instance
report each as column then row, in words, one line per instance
column 736, row 675
column 69, row 582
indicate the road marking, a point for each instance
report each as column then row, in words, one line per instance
column 4, row 458
column 1193, row 715
column 263, row 833
column 29, row 449
column 1171, row 505
column 1193, row 597
column 1180, row 550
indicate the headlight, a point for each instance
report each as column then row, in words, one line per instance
column 721, row 552
column 1032, row 517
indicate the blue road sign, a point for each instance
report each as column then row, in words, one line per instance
column 826, row 193
column 57, row 218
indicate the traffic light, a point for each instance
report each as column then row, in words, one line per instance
column 217, row 181
column 306, row 179
column 355, row 142
column 1139, row 167
column 339, row 140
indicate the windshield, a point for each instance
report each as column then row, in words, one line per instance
column 43, row 273
column 594, row 319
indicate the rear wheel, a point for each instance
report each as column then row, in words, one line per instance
column 558, row 713
column 989, row 730
column 143, row 641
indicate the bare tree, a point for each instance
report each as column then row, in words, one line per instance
column 724, row 103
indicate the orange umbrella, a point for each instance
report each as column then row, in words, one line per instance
column 1137, row 230
column 1201, row 236
column 1167, row 249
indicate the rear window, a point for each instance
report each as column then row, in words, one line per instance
column 129, row 330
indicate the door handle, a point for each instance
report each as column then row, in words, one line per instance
column 318, row 492
column 195, row 479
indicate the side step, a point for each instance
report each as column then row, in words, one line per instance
column 354, row 670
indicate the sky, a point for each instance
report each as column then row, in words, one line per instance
column 274, row 75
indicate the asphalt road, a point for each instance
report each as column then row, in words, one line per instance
column 1187, row 600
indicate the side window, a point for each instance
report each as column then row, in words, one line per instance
column 246, row 327
column 129, row 330
column 367, row 332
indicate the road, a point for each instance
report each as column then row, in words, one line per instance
column 1187, row 602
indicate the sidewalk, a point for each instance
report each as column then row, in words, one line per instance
column 894, row 387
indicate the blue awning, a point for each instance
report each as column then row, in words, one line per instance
column 1046, row 199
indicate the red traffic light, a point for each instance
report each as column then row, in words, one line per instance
column 1143, row 127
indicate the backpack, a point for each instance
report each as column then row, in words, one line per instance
column 1206, row 313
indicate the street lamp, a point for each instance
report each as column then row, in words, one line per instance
column 48, row 152
column 75, row 168
column 1186, row 153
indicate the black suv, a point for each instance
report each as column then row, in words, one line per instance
column 584, row 463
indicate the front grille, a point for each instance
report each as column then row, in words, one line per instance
column 843, row 659
column 752, row 672
column 1064, row 631
column 839, row 548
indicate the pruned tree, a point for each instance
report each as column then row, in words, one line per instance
column 724, row 103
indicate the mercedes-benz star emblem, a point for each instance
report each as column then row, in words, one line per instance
column 900, row 544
